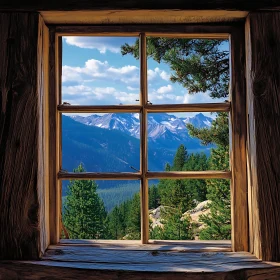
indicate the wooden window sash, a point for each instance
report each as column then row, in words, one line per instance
column 200, row 31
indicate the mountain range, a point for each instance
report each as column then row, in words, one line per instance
column 164, row 130
column 110, row 142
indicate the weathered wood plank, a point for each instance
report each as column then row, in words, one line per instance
column 19, row 230
column 206, row 107
column 263, row 86
column 17, row 270
column 210, row 174
column 72, row 5
column 99, row 109
column 98, row 175
column 43, row 133
column 166, row 245
column 239, row 187
column 140, row 16
column 144, row 186
column 117, row 258
column 211, row 31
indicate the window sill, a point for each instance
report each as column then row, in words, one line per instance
column 154, row 260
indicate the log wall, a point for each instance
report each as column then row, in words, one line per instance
column 19, row 137
column 263, row 113
column 72, row 5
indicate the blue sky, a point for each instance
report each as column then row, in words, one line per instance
column 95, row 73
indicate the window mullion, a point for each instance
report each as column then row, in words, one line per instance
column 143, row 141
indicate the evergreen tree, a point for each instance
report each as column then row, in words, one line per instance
column 201, row 66
column 153, row 197
column 84, row 212
column 180, row 158
column 218, row 222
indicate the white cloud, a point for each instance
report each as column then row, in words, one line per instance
column 165, row 76
column 158, row 73
column 132, row 88
column 85, row 95
column 165, row 89
column 102, row 44
column 95, row 69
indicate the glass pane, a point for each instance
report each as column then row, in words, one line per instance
column 101, row 209
column 188, row 141
column 101, row 142
column 190, row 209
column 94, row 71
column 187, row 70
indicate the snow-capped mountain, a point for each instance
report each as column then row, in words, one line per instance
column 164, row 129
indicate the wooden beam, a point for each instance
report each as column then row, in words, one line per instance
column 181, row 5
column 141, row 16
column 54, row 138
column 144, row 187
column 43, row 133
column 239, row 184
column 149, row 175
column 43, row 270
column 263, row 87
column 214, row 30
column 98, row 176
column 206, row 107
column 19, row 129
column 99, row 109
column 189, row 175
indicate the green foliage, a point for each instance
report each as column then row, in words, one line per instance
column 180, row 158
column 199, row 65
column 84, row 212
column 154, row 197
column 218, row 222
column 217, row 134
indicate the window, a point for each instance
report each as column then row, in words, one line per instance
column 145, row 108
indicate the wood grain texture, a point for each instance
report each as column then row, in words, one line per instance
column 263, row 78
column 98, row 175
column 72, row 5
column 141, row 16
column 210, row 30
column 210, row 174
column 144, row 186
column 54, row 138
column 238, row 136
column 43, row 133
column 98, row 109
column 158, row 245
column 19, row 230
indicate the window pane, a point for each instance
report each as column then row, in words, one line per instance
column 101, row 142
column 101, row 209
column 187, row 70
column 94, row 71
column 188, row 141
column 190, row 209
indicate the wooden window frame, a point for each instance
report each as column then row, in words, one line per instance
column 236, row 107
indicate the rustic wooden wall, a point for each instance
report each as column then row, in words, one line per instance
column 19, row 206
column 34, row 5
column 263, row 98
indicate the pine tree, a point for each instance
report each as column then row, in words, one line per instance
column 180, row 158
column 201, row 66
column 218, row 222
column 84, row 212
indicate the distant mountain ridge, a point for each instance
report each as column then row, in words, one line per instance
column 110, row 143
column 163, row 129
